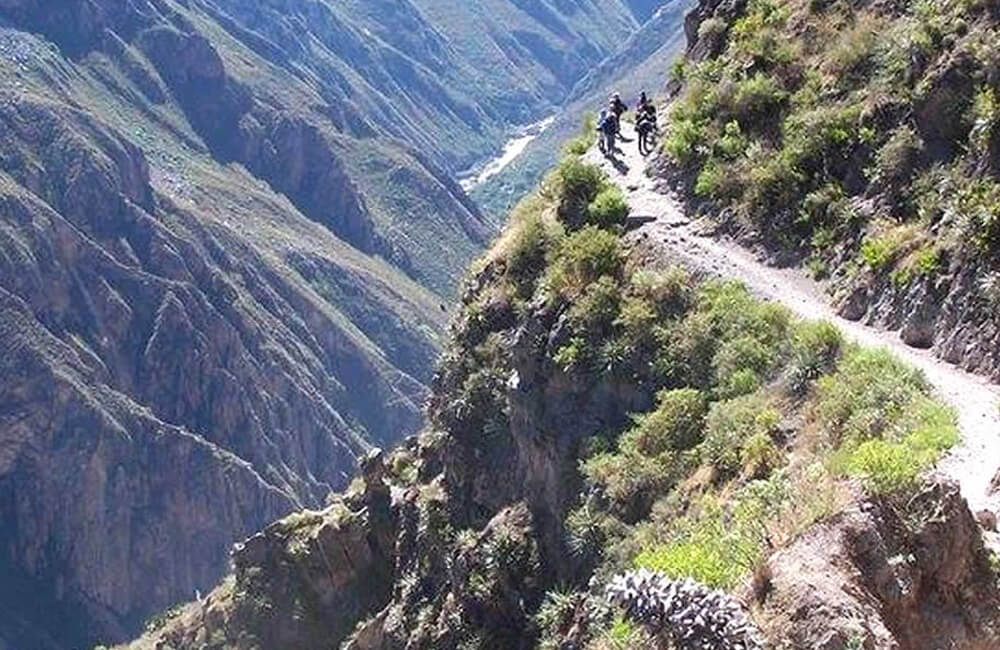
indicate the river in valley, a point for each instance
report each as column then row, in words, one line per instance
column 514, row 148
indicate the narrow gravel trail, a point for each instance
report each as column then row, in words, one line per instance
column 671, row 234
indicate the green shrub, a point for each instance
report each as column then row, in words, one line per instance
column 679, row 69
column 527, row 253
column 714, row 181
column 851, row 58
column 480, row 406
column 734, row 313
column 899, row 157
column 927, row 261
column 927, row 429
column 825, row 206
column 760, row 456
column 595, row 311
column 817, row 138
column 978, row 208
column 878, row 252
column 675, row 425
column 579, row 184
column 866, row 395
column 623, row 635
column 743, row 353
column 632, row 481
column 773, row 183
column 986, row 119
column 703, row 560
column 736, row 384
column 730, row 424
column 816, row 346
column 574, row 356
column 712, row 27
column 637, row 316
column 884, row 249
column 609, row 209
column 685, row 358
column 733, row 143
column 671, row 292
column 556, row 615
column 718, row 545
column 757, row 35
column 757, row 96
column 722, row 312
column 924, row 262
column 584, row 257
column 589, row 530
column 580, row 179
column 684, row 141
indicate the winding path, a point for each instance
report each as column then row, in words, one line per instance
column 973, row 464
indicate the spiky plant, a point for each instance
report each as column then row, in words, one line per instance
column 691, row 615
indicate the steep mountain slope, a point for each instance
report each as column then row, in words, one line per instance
column 156, row 322
column 227, row 234
column 599, row 409
column 862, row 140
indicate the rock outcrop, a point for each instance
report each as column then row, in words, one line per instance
column 883, row 577
column 303, row 582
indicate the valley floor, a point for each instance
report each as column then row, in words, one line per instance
column 669, row 235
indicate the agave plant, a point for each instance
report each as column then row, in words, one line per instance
column 691, row 615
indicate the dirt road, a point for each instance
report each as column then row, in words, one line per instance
column 973, row 464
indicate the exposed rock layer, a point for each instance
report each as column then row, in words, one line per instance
column 227, row 235
column 886, row 577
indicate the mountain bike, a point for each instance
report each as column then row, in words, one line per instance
column 648, row 135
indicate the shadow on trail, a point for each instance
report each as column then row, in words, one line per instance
column 618, row 164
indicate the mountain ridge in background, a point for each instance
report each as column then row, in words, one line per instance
column 228, row 239
column 642, row 64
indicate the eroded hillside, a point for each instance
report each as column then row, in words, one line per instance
column 228, row 238
column 599, row 409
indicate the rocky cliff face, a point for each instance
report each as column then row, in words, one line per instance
column 500, row 524
column 886, row 577
column 168, row 385
column 228, row 234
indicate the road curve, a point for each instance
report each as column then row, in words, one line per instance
column 972, row 464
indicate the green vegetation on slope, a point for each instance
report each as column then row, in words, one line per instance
column 591, row 415
column 758, row 421
column 847, row 130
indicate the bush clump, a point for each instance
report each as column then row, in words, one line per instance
column 584, row 257
column 579, row 184
column 867, row 394
column 675, row 425
column 526, row 257
column 922, row 434
column 731, row 425
column 816, row 347
column 608, row 209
